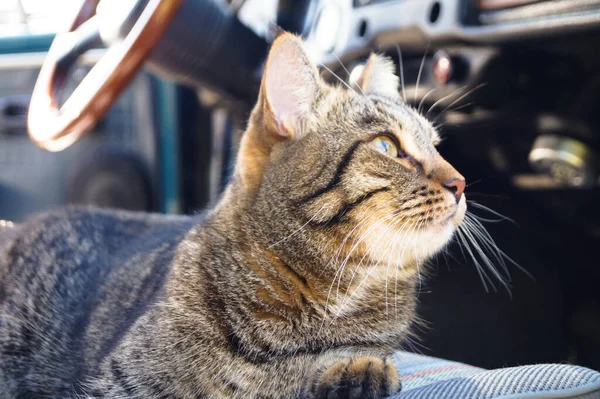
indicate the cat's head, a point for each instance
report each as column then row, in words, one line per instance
column 357, row 164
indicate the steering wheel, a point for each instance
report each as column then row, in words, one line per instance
column 131, row 28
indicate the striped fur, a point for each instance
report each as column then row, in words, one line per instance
column 300, row 282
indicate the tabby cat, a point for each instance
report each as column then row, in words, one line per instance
column 299, row 283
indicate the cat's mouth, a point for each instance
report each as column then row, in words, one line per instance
column 456, row 216
column 459, row 214
column 390, row 242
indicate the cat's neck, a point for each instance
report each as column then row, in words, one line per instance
column 334, row 277
column 227, row 266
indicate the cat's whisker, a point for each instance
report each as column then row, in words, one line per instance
column 477, row 241
column 414, row 344
column 361, row 238
column 478, row 194
column 420, row 71
column 488, row 244
column 409, row 345
column 483, row 256
column 488, row 238
column 393, row 244
column 422, row 102
column 401, row 65
column 342, row 81
column 473, row 183
column 370, row 102
column 390, row 216
column 465, row 105
column 441, row 100
column 457, row 239
column 343, row 264
column 397, row 266
column 396, row 238
column 477, row 205
column 348, row 72
column 299, row 229
column 486, row 220
column 482, row 274
column 471, row 91
column 347, row 299
column 418, row 262
column 335, row 257
column 396, row 277
column 339, row 272
column 342, row 64
column 356, row 268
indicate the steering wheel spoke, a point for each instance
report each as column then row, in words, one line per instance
column 71, row 45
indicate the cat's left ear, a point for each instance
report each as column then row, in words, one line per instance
column 289, row 88
column 378, row 77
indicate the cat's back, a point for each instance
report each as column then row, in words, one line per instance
column 71, row 284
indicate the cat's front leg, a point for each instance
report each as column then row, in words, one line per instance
column 357, row 377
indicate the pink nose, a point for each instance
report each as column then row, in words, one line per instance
column 457, row 186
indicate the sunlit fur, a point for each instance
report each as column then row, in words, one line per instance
column 301, row 281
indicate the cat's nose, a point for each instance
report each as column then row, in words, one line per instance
column 456, row 186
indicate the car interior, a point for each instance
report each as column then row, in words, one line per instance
column 98, row 108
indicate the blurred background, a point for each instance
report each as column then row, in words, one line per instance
column 35, row 17
column 513, row 85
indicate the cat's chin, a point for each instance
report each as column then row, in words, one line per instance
column 416, row 246
column 439, row 235
column 452, row 221
column 419, row 246
column 434, row 238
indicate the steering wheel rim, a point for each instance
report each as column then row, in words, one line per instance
column 54, row 128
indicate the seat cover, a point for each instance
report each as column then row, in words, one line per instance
column 425, row 377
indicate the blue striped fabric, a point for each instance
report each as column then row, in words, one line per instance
column 426, row 377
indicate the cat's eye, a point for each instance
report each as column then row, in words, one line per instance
column 385, row 145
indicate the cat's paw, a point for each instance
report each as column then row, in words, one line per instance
column 360, row 377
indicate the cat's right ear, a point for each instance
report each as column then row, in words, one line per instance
column 378, row 77
column 289, row 87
